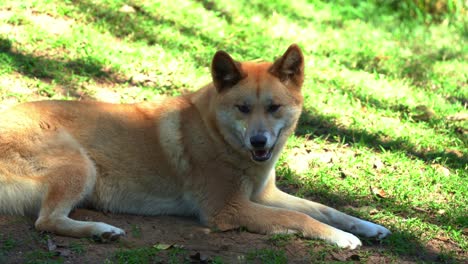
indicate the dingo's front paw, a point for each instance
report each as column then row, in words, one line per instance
column 106, row 233
column 369, row 229
column 347, row 240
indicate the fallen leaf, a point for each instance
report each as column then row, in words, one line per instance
column 378, row 192
column 51, row 246
column 163, row 246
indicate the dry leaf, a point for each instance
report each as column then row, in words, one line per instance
column 163, row 246
column 51, row 246
column 378, row 192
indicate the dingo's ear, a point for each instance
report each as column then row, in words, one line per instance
column 225, row 71
column 290, row 66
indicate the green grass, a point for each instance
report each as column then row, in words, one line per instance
column 385, row 80
column 136, row 231
column 7, row 243
column 42, row 257
column 280, row 240
column 78, row 247
column 134, row 256
column 171, row 255
column 267, row 256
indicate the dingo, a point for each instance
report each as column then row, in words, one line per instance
column 210, row 153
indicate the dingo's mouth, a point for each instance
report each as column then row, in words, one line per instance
column 261, row 155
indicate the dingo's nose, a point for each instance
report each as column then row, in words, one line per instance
column 258, row 141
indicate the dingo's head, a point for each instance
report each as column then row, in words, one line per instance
column 257, row 105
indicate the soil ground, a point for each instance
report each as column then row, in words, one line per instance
column 180, row 240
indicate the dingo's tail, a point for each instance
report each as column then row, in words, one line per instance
column 20, row 195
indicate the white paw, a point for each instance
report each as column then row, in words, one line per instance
column 369, row 229
column 346, row 240
column 105, row 233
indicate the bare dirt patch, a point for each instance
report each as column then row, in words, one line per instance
column 142, row 231
column 197, row 243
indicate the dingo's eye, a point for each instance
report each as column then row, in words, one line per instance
column 243, row 108
column 273, row 108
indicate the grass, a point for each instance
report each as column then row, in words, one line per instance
column 78, row 247
column 385, row 93
column 280, row 240
column 41, row 257
column 150, row 255
column 268, row 256
column 136, row 231
column 7, row 243
column 141, row 255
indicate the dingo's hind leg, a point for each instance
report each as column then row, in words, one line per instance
column 69, row 180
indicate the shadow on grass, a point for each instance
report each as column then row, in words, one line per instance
column 438, row 123
column 417, row 68
column 141, row 25
column 314, row 123
column 220, row 12
column 66, row 73
column 462, row 100
column 152, row 29
column 402, row 243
